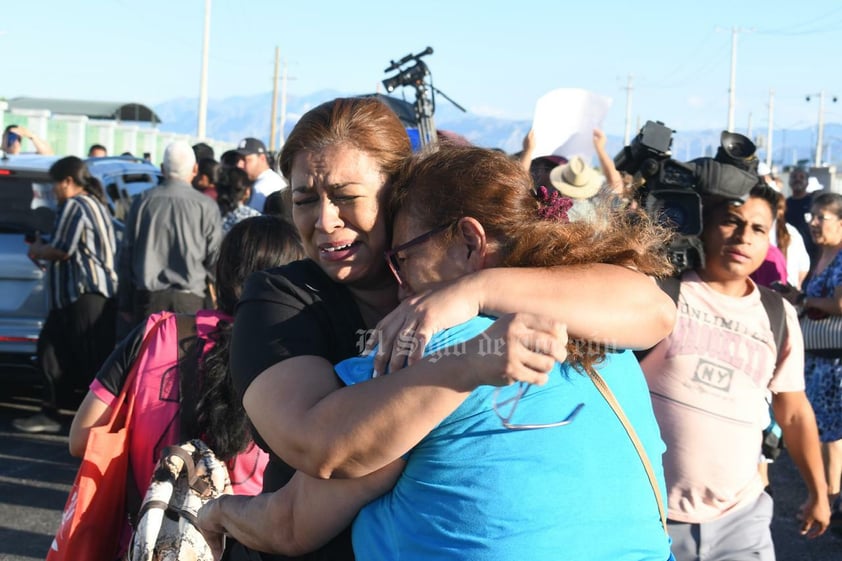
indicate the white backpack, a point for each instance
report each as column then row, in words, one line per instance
column 187, row 476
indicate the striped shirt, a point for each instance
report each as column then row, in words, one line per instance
column 84, row 231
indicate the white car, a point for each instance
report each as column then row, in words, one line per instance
column 27, row 210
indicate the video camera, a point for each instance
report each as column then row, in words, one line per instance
column 410, row 76
column 674, row 192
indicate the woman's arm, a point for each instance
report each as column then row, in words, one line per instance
column 41, row 250
column 93, row 412
column 298, row 518
column 528, row 150
column 609, row 304
column 606, row 163
column 832, row 305
column 300, row 410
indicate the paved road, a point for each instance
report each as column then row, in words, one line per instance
column 35, row 476
column 36, row 473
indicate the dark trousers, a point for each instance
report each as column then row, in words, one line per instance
column 146, row 303
column 73, row 344
column 178, row 301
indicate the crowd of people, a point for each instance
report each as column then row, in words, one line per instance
column 454, row 353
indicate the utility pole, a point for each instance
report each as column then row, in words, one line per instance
column 732, row 87
column 629, row 88
column 283, row 106
column 203, row 80
column 820, row 132
column 273, row 118
column 748, row 129
column 770, row 129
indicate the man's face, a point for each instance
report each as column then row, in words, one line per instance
column 736, row 239
column 253, row 165
column 798, row 181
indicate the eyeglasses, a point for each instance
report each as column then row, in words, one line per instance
column 511, row 403
column 819, row 217
column 392, row 254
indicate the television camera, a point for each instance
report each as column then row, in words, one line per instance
column 418, row 76
column 674, row 192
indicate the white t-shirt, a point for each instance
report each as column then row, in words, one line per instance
column 266, row 183
column 708, row 381
column 797, row 258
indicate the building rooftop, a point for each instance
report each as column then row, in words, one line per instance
column 118, row 111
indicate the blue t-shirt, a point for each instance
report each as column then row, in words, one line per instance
column 474, row 490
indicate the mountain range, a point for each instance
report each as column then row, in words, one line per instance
column 231, row 119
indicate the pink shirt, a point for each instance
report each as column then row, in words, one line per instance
column 709, row 380
column 156, row 411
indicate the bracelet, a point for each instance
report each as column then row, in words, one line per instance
column 801, row 299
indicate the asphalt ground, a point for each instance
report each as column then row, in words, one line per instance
column 36, row 472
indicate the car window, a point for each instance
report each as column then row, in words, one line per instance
column 26, row 204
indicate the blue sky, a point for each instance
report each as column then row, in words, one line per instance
column 493, row 57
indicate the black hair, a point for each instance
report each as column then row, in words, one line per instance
column 209, row 168
column 232, row 186
column 279, row 203
column 829, row 200
column 230, row 158
column 202, row 151
column 253, row 244
column 97, row 147
column 76, row 169
column 763, row 191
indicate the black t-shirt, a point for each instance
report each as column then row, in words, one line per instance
column 294, row 310
column 114, row 371
column 795, row 211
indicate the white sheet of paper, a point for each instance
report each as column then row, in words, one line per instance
column 564, row 122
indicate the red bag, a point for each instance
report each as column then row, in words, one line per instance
column 95, row 513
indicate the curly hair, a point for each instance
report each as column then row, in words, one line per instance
column 441, row 186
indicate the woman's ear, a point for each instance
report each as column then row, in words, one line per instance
column 473, row 241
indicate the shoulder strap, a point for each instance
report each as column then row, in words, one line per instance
column 189, row 347
column 672, row 286
column 606, row 392
column 774, row 305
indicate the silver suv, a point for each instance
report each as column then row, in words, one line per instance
column 27, row 210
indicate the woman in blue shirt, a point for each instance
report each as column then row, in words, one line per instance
column 543, row 471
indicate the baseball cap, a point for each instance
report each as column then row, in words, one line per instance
column 251, row 146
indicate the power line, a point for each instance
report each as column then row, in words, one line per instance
column 792, row 29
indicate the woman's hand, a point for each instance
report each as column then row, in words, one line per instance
column 403, row 334
column 599, row 140
column 789, row 293
column 517, row 348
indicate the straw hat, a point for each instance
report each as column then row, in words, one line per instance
column 576, row 179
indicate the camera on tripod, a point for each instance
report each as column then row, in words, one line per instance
column 674, row 192
column 412, row 76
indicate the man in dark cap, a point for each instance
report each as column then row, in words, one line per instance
column 256, row 165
